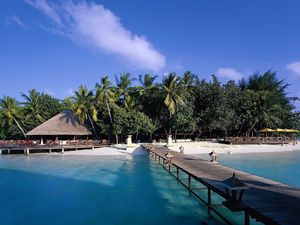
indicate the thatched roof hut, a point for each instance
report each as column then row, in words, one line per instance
column 63, row 124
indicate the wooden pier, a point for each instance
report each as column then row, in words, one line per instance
column 45, row 148
column 265, row 200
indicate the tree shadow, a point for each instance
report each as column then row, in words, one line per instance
column 69, row 117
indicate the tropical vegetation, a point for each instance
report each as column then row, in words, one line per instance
column 149, row 107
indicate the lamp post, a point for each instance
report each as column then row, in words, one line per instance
column 129, row 140
column 169, row 157
column 213, row 156
column 181, row 149
column 169, row 141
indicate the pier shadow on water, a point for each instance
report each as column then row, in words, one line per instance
column 89, row 190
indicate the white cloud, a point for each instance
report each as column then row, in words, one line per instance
column 99, row 27
column 229, row 73
column 13, row 19
column 294, row 67
column 49, row 10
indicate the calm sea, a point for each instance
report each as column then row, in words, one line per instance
column 113, row 190
column 44, row 190
column 282, row 166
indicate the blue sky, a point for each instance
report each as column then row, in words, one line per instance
column 54, row 46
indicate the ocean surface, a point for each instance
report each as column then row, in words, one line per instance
column 111, row 190
column 280, row 166
column 44, row 190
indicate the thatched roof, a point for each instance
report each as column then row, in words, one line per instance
column 64, row 123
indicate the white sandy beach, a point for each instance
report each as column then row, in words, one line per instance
column 104, row 151
column 206, row 147
column 189, row 148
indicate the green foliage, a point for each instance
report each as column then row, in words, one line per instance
column 83, row 106
column 180, row 104
column 10, row 113
column 33, row 105
column 131, row 122
column 184, row 120
column 174, row 96
column 50, row 106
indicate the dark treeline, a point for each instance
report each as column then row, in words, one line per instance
column 184, row 106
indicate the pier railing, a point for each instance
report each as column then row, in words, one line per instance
column 32, row 143
column 260, row 140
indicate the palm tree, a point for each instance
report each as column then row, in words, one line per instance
column 189, row 79
column 32, row 105
column 131, row 103
column 123, row 86
column 174, row 96
column 271, row 102
column 266, row 111
column 10, row 112
column 83, row 106
column 149, row 95
column 106, row 96
column 147, row 84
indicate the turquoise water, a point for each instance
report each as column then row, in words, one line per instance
column 283, row 167
column 44, row 190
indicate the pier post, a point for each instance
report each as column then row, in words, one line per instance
column 93, row 148
column 62, row 151
column 0, row 151
column 26, row 151
column 247, row 218
column 208, row 200
column 50, row 151
column 177, row 172
column 189, row 182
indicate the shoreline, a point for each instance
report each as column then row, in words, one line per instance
column 190, row 148
column 207, row 147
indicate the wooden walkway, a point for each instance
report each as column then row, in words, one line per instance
column 267, row 201
column 45, row 148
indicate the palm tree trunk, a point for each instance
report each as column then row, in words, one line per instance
column 170, row 124
column 241, row 128
column 93, row 127
column 199, row 130
column 136, row 137
column 111, row 121
column 109, row 113
column 20, row 127
column 248, row 132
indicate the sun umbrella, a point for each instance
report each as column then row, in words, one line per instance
column 294, row 131
column 266, row 130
